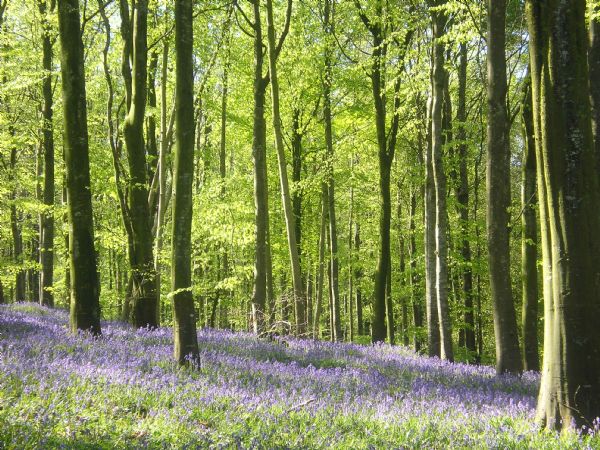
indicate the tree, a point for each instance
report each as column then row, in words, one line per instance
column 328, row 28
column 274, row 48
column 439, row 181
column 594, row 62
column 47, row 222
column 85, row 305
column 529, row 239
column 569, row 199
column 186, row 342
column 508, row 358
column 379, row 29
column 142, row 259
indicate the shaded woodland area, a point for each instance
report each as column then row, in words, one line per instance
column 416, row 173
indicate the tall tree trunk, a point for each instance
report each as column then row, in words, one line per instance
column 144, row 276
column 261, row 194
column 327, row 118
column 47, row 222
column 186, row 342
column 433, row 326
column 16, row 230
column 569, row 199
column 85, row 287
column 462, row 197
column 415, row 284
column 321, row 264
column 360, row 329
column 439, row 179
column 290, row 220
column 531, row 359
column 508, row 358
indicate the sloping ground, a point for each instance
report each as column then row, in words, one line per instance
column 124, row 391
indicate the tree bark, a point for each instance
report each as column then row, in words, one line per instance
column 508, row 357
column 529, row 278
column 84, row 283
column 47, row 222
column 569, row 199
column 186, row 342
column 433, row 326
column 439, row 179
column 286, row 200
column 327, row 119
column 261, row 194
column 360, row 328
column 462, row 197
column 142, row 260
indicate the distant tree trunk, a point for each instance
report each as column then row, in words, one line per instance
column 439, row 180
column 184, row 320
column 594, row 62
column 402, row 257
column 415, row 284
column 321, row 264
column 17, row 234
column 327, row 120
column 389, row 309
column 47, row 222
column 142, row 259
column 290, row 221
column 569, row 199
column 85, row 287
column 531, row 359
column 386, row 143
column 360, row 329
column 36, row 238
column 508, row 357
column 462, row 197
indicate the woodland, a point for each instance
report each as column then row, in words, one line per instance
column 299, row 223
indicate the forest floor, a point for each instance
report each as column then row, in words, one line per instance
column 123, row 390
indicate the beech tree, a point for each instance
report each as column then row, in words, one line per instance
column 186, row 343
column 85, row 287
column 569, row 199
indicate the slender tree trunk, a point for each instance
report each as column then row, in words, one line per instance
column 47, row 222
column 261, row 195
column 321, row 264
column 462, row 197
column 327, row 119
column 286, row 200
column 17, row 234
column 186, row 342
column 569, row 199
column 508, row 358
column 433, row 327
column 415, row 283
column 144, row 276
column 439, row 179
column 531, row 359
column 360, row 329
column 85, row 287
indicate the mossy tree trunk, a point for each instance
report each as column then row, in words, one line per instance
column 186, row 342
column 569, row 199
column 142, row 259
column 84, row 284
column 508, row 357
column 529, row 240
column 438, row 80
column 47, row 218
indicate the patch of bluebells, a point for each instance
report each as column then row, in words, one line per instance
column 123, row 390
